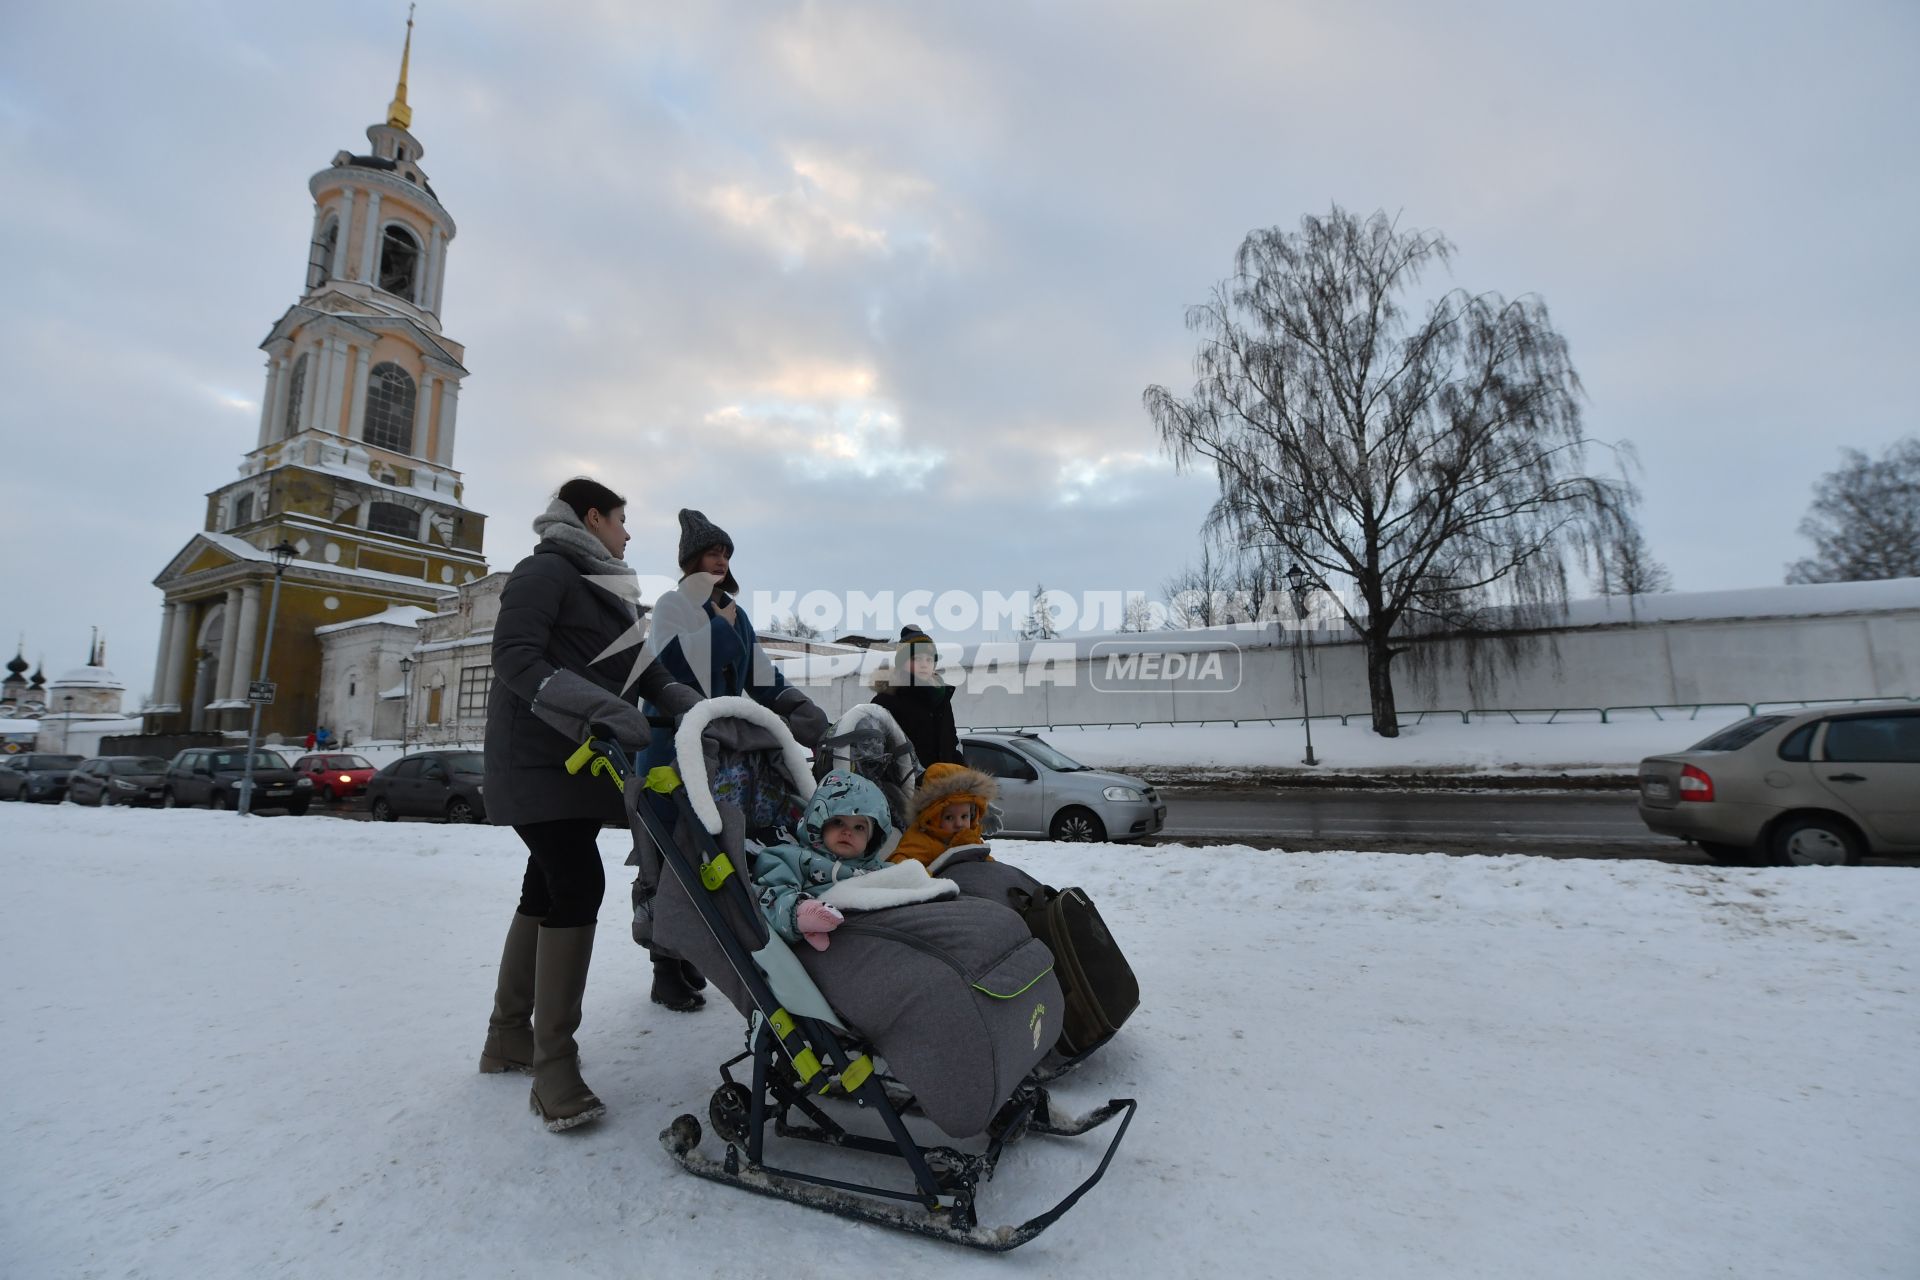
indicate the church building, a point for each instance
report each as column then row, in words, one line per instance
column 353, row 466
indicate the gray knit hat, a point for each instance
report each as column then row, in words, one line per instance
column 697, row 534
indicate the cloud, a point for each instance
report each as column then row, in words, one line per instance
column 819, row 441
column 897, row 275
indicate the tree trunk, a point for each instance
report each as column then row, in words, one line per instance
column 1386, row 716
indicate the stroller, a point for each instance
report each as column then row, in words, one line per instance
column 867, row 740
column 1101, row 992
column 940, row 1008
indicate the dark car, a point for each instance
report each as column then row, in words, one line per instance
column 107, row 780
column 335, row 776
column 37, row 775
column 212, row 775
column 429, row 784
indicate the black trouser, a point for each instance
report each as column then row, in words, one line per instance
column 565, row 880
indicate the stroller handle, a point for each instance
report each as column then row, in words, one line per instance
column 602, row 756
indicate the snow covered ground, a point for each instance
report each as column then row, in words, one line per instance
column 246, row 1048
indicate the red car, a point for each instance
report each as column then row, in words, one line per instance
column 335, row 776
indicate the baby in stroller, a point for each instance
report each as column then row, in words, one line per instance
column 846, row 831
column 948, row 810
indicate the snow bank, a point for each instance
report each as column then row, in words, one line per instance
column 246, row 1047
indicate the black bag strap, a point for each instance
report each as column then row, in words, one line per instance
column 1023, row 902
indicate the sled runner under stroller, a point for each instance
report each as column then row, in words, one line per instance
column 960, row 1053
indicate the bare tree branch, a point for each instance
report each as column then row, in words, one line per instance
column 1865, row 518
column 1431, row 455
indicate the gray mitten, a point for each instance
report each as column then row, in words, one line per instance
column 807, row 722
column 574, row 705
column 676, row 699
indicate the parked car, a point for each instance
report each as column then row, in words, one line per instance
column 1044, row 793
column 1812, row 788
column 37, row 775
column 212, row 775
column 335, row 776
column 118, row 780
column 429, row 784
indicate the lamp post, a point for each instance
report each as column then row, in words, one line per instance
column 66, row 724
column 283, row 554
column 1298, row 580
column 406, row 699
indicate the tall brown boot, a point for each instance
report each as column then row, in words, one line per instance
column 559, row 1095
column 509, row 1044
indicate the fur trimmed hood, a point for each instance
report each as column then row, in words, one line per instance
column 942, row 786
column 945, row 783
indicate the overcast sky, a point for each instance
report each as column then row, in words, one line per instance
column 878, row 286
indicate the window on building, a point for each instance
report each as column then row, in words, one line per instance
column 475, row 684
column 320, row 261
column 392, row 518
column 296, row 387
column 243, row 509
column 399, row 262
column 390, row 404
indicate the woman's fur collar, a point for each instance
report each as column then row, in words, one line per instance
column 564, row 530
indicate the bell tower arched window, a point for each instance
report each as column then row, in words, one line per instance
column 325, row 250
column 296, row 387
column 243, row 510
column 390, row 403
column 399, row 262
column 392, row 518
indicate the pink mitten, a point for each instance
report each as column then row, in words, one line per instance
column 815, row 920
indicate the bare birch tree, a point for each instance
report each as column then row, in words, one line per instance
column 1627, row 566
column 1431, row 456
column 1865, row 519
column 1194, row 596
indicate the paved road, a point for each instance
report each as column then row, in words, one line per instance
column 1574, row 825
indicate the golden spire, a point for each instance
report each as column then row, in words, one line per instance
column 399, row 114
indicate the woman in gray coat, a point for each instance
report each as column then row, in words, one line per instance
column 560, row 670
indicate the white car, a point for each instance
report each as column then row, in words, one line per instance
column 1045, row 794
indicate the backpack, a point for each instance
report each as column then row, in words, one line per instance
column 1096, row 981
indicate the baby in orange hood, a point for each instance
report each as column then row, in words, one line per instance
column 947, row 812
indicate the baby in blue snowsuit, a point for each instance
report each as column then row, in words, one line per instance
column 846, row 831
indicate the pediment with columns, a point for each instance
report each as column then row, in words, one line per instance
column 368, row 326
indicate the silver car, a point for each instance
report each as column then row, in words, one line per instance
column 1809, row 788
column 1046, row 794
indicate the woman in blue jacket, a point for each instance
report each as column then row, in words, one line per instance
column 722, row 659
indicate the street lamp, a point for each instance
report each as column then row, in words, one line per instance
column 406, row 699
column 1298, row 580
column 66, row 726
column 282, row 554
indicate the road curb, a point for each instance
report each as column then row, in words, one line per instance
column 1237, row 778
